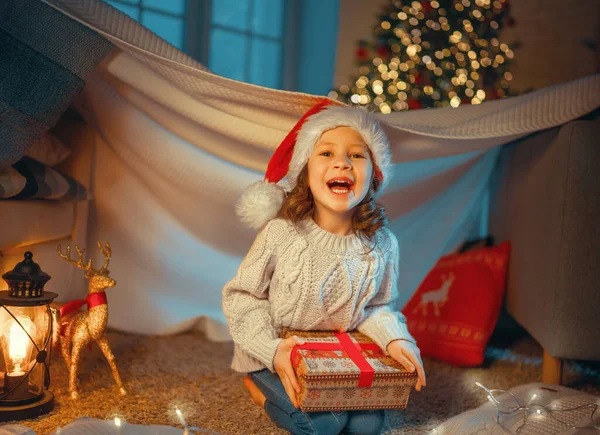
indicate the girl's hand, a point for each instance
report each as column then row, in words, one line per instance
column 283, row 367
column 408, row 354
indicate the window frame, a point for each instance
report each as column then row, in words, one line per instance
column 141, row 8
column 197, row 29
column 299, row 51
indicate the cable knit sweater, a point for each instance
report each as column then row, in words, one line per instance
column 307, row 278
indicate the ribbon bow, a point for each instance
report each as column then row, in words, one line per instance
column 354, row 351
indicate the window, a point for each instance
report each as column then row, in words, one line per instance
column 281, row 44
column 246, row 40
column 166, row 18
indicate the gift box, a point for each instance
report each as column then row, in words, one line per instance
column 347, row 371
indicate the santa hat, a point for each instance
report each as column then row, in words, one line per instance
column 261, row 201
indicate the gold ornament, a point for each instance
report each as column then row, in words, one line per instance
column 79, row 328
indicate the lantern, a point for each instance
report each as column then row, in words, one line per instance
column 25, row 342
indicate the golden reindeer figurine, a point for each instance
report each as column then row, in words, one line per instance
column 80, row 328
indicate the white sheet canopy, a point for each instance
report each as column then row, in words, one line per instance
column 176, row 145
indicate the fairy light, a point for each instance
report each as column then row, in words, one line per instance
column 190, row 429
column 180, row 418
column 118, row 424
column 535, row 409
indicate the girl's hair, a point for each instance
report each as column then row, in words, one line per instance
column 368, row 216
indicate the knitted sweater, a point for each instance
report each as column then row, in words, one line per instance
column 307, row 278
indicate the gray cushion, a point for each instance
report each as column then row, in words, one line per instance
column 44, row 61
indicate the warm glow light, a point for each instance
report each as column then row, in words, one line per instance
column 17, row 344
column 180, row 418
column 117, row 422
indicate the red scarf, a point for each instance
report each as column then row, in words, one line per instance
column 92, row 300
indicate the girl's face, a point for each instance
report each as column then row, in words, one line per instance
column 340, row 171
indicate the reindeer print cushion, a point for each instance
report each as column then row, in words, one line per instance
column 455, row 309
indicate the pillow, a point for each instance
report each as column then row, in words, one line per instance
column 11, row 182
column 30, row 179
column 453, row 312
column 569, row 408
column 95, row 426
column 48, row 150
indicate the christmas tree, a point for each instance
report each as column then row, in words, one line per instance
column 432, row 54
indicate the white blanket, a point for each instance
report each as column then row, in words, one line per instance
column 177, row 144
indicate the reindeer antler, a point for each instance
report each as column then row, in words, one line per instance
column 79, row 263
column 106, row 252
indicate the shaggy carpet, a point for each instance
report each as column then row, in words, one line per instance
column 191, row 373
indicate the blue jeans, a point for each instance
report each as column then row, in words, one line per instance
column 279, row 408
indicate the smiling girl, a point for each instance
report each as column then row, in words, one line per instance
column 323, row 260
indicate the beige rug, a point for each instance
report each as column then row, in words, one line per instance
column 190, row 373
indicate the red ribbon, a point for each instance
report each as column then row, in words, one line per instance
column 354, row 351
column 92, row 300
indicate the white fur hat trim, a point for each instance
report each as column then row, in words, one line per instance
column 259, row 203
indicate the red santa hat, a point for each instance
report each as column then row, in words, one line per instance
column 261, row 201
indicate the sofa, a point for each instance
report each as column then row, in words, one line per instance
column 546, row 200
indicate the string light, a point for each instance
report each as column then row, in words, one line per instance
column 117, row 421
column 514, row 406
column 190, row 429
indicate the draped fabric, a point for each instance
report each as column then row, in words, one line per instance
column 176, row 145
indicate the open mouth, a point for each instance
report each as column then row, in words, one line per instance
column 340, row 186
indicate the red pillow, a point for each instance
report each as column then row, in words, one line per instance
column 455, row 309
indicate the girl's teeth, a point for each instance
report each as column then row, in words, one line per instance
column 340, row 190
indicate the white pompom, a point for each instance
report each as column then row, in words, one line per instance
column 259, row 203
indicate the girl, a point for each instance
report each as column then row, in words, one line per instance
column 323, row 260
